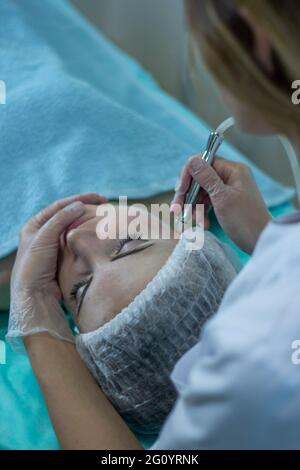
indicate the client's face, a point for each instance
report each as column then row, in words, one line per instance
column 98, row 278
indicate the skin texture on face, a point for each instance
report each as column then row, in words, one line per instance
column 108, row 274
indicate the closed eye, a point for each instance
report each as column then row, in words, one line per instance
column 132, row 244
column 79, row 291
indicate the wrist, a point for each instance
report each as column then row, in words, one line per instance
column 46, row 352
column 36, row 339
column 35, row 316
column 40, row 345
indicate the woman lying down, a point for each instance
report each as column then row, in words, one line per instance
column 138, row 305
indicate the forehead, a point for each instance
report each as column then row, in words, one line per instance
column 120, row 209
column 123, row 220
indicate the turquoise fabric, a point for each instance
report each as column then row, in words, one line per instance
column 82, row 116
column 63, row 109
column 24, row 422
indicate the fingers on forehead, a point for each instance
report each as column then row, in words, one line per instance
column 58, row 223
column 47, row 213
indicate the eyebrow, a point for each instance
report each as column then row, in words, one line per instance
column 141, row 247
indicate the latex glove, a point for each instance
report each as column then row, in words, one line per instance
column 35, row 294
column 231, row 189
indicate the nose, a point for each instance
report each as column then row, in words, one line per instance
column 82, row 241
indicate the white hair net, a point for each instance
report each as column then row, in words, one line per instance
column 132, row 356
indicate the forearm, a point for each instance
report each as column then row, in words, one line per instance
column 81, row 415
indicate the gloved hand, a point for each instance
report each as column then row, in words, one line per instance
column 230, row 188
column 35, row 294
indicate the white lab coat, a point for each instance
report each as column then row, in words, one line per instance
column 239, row 387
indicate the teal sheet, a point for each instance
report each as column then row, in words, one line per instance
column 24, row 422
column 83, row 116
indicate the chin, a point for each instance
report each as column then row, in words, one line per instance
column 248, row 120
column 254, row 127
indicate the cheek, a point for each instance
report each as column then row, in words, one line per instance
column 114, row 288
column 241, row 115
column 103, row 301
column 117, row 283
column 120, row 283
column 97, row 311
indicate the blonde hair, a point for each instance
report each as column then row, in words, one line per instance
column 225, row 39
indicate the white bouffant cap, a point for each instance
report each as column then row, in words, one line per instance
column 133, row 355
